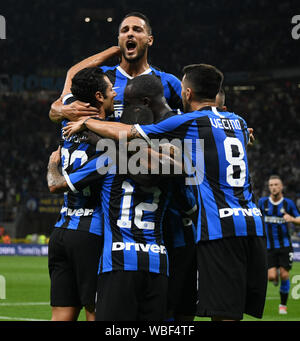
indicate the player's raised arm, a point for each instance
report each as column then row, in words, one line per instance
column 58, row 110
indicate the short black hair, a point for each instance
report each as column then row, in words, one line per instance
column 87, row 82
column 141, row 16
column 205, row 80
column 145, row 86
column 139, row 113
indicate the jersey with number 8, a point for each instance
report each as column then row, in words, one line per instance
column 221, row 186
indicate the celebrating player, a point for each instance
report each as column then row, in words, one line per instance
column 231, row 243
column 278, row 211
column 135, row 38
column 75, row 243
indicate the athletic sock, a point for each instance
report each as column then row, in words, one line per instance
column 284, row 291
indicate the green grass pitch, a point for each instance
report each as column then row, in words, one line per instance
column 28, row 286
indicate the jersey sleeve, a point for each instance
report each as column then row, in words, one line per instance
column 168, row 128
column 174, row 84
column 92, row 170
column 293, row 209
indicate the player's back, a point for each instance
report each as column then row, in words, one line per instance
column 81, row 209
column 216, row 161
column 227, row 204
column 133, row 226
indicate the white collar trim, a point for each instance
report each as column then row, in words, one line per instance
column 276, row 202
column 124, row 73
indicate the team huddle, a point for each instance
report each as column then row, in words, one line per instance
column 159, row 221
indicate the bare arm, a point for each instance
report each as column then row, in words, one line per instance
column 58, row 111
column 290, row 219
column 106, row 129
column 56, row 181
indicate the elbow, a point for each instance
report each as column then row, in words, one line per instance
column 53, row 189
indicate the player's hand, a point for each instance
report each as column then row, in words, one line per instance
column 77, row 109
column 55, row 157
column 116, row 51
column 251, row 137
column 288, row 218
column 73, row 127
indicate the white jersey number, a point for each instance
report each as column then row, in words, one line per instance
column 235, row 159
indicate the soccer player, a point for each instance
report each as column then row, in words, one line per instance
column 134, row 265
column 135, row 38
column 75, row 243
column 278, row 211
column 231, row 247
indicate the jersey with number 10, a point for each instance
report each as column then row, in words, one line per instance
column 215, row 143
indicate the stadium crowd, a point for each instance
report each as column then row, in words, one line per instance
column 52, row 40
column 53, row 37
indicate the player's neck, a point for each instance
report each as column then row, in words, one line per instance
column 134, row 69
column 276, row 197
column 199, row 105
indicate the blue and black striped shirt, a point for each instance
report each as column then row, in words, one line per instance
column 215, row 143
column 277, row 230
column 132, row 219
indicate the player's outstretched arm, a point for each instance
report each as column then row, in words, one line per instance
column 56, row 182
column 58, row 111
column 106, row 129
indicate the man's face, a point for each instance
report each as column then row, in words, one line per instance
column 134, row 38
column 108, row 102
column 275, row 186
column 186, row 105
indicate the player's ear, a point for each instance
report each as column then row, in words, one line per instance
column 99, row 97
column 188, row 93
column 150, row 40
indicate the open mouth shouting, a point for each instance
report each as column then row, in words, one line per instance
column 131, row 46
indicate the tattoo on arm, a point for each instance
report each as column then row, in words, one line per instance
column 54, row 178
column 134, row 133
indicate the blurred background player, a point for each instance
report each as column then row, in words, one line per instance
column 278, row 211
column 135, row 38
column 76, row 241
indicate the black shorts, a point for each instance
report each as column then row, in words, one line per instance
column 73, row 260
column 282, row 257
column 131, row 296
column 182, row 292
column 232, row 277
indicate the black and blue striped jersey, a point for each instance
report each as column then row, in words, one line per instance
column 81, row 209
column 277, row 230
column 119, row 79
column 132, row 219
column 215, row 143
column 179, row 229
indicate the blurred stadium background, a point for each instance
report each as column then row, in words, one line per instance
column 250, row 41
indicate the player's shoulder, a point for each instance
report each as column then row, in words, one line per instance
column 165, row 75
column 263, row 199
column 106, row 68
column 289, row 201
